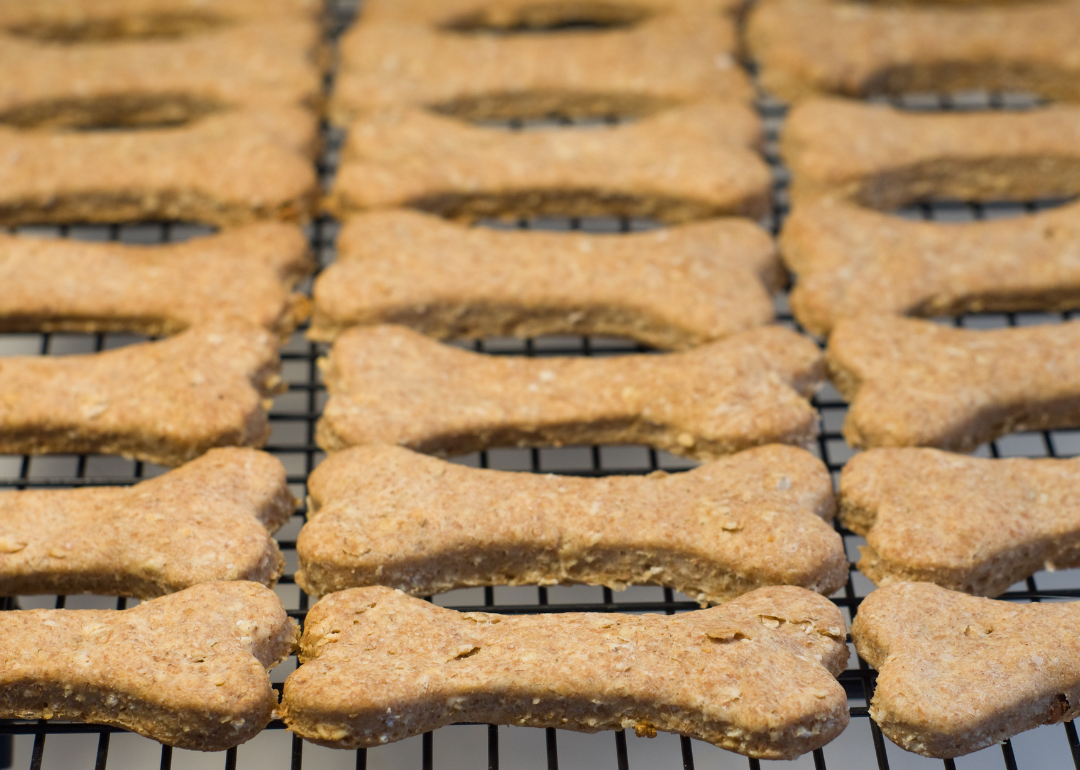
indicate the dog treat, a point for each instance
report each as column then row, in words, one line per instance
column 959, row 673
column 386, row 516
column 885, row 158
column 208, row 520
column 224, row 170
column 165, row 402
column 916, row 383
column 851, row 261
column 394, row 386
column 670, row 288
column 806, row 47
column 188, row 669
column 69, row 285
column 969, row 524
column 510, row 16
column 755, row 676
column 689, row 163
column 673, row 60
column 158, row 83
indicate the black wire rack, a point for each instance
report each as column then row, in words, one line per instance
column 42, row 744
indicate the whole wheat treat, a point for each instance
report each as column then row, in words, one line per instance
column 688, row 163
column 969, row 524
column 754, row 676
column 851, row 261
column 916, row 383
column 68, row 285
column 864, row 48
column 885, row 158
column 383, row 515
column 225, row 169
column 208, row 520
column 188, row 669
column 160, row 82
column 670, row 288
column 960, row 672
column 392, row 385
column 509, row 16
column 165, row 402
column 665, row 62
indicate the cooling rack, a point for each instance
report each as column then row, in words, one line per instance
column 43, row 744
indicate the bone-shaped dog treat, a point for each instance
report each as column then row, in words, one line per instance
column 225, row 169
column 208, row 520
column 687, row 163
column 188, row 669
column 394, row 386
column 916, row 383
column 754, row 676
column 969, row 524
column 663, row 62
column 884, row 158
column 383, row 515
column 70, row 285
column 860, row 49
column 165, row 402
column 671, row 288
column 851, row 261
column 510, row 16
column 959, row 672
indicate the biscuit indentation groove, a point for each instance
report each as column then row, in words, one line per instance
column 391, row 385
column 379, row 666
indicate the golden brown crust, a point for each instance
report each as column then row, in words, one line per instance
column 510, row 16
column 755, row 675
column 917, row 383
column 394, row 386
column 958, row 672
column 188, row 669
column 383, row 515
column 686, row 163
column 673, row 288
column 165, row 402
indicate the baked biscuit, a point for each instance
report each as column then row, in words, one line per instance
column 884, row 158
column 383, row 515
column 851, row 261
column 208, row 520
column 671, row 288
column 224, row 170
column 508, row 16
column 391, row 385
column 188, row 669
column 165, row 402
column 856, row 48
column 959, row 673
column 688, row 163
column 969, row 524
column 68, row 285
column 916, row 383
column 756, row 675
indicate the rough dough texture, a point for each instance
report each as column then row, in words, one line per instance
column 69, row 285
column 225, row 169
column 806, row 47
column 917, row 383
column 852, row 261
column 208, row 520
column 383, row 515
column 188, row 669
column 394, row 386
column 510, row 16
column 885, row 158
column 959, row 672
column 755, row 675
column 164, row 402
column 671, row 288
column 970, row 524
column 687, row 163
column 675, row 59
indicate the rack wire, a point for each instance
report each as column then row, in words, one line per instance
column 471, row 746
